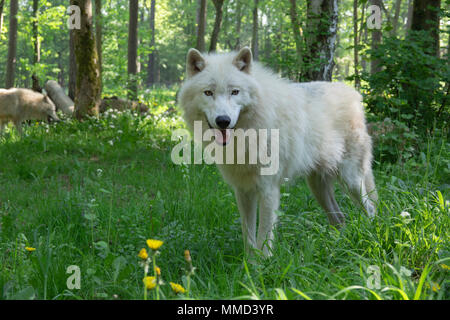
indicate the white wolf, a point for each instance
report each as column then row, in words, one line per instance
column 322, row 135
column 18, row 105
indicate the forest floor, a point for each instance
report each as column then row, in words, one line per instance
column 89, row 194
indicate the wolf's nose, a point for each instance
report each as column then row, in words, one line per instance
column 223, row 121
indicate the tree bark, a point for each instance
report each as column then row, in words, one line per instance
column 355, row 43
column 255, row 42
column 425, row 17
column 12, row 45
column 61, row 100
column 376, row 40
column 322, row 19
column 99, row 37
column 398, row 4
column 409, row 15
column 37, row 47
column 297, row 36
column 2, row 5
column 218, row 4
column 72, row 67
column 87, row 96
column 151, row 68
column 132, row 49
column 238, row 24
column 201, row 25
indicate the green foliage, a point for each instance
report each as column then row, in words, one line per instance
column 412, row 84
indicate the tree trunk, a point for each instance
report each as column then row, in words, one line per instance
column 151, row 68
column 356, row 43
column 322, row 18
column 426, row 17
column 87, row 96
column 12, row 45
column 238, row 24
column 255, row 45
column 409, row 15
column 37, row 47
column 132, row 49
column 376, row 40
column 398, row 4
column 99, row 37
column 2, row 5
column 297, row 36
column 61, row 100
column 201, row 25
column 72, row 67
column 218, row 4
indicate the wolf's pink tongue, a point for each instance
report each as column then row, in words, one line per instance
column 222, row 136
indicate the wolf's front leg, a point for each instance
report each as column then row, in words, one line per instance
column 18, row 125
column 247, row 202
column 269, row 201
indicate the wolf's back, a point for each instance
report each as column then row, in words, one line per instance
column 9, row 103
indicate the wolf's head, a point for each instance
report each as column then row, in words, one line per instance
column 219, row 90
column 49, row 109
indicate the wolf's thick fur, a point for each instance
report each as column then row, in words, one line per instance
column 18, row 105
column 322, row 135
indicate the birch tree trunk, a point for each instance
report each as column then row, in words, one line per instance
column 12, row 45
column 322, row 20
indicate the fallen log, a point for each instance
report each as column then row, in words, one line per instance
column 59, row 97
column 119, row 104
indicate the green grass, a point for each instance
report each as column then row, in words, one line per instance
column 89, row 194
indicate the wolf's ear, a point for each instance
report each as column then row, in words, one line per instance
column 195, row 62
column 243, row 60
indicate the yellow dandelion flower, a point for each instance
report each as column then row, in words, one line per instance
column 444, row 266
column 30, row 249
column 154, row 244
column 177, row 288
column 143, row 254
column 149, row 282
column 436, row 287
column 158, row 271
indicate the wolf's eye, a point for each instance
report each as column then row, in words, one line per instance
column 235, row 92
column 208, row 93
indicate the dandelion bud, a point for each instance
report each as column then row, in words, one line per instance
column 187, row 256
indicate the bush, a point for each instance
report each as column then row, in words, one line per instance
column 413, row 83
